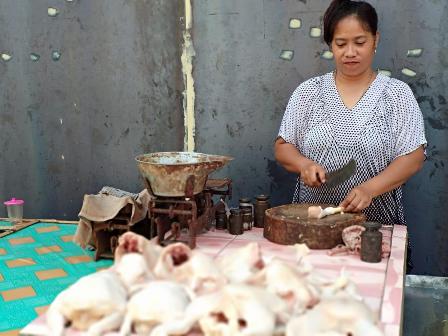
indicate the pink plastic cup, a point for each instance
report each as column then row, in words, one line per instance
column 15, row 210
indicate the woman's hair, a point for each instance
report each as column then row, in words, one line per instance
column 340, row 9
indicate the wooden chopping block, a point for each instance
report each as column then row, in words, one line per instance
column 289, row 224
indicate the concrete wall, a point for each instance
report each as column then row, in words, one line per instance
column 71, row 126
column 243, row 86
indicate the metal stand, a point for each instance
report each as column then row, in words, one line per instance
column 195, row 212
column 105, row 236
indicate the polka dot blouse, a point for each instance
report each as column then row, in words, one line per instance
column 384, row 124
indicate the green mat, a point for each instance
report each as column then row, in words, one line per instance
column 37, row 263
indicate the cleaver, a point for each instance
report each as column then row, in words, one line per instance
column 340, row 175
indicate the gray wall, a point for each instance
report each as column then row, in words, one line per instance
column 117, row 89
column 243, row 87
column 71, row 126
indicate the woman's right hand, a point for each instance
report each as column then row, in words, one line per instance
column 312, row 174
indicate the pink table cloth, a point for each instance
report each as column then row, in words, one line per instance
column 380, row 284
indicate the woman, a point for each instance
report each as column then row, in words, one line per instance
column 353, row 112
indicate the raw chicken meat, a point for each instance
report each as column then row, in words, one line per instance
column 304, row 267
column 288, row 283
column 351, row 236
column 132, row 242
column 335, row 316
column 157, row 302
column 242, row 264
column 95, row 303
column 318, row 212
column 171, row 258
column 235, row 310
column 331, row 288
column 314, row 211
column 385, row 247
column 133, row 270
column 249, row 311
column 200, row 272
column 331, row 211
column 199, row 307
column 173, row 290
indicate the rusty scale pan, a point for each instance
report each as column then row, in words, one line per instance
column 167, row 173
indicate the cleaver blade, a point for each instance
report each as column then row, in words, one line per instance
column 340, row 175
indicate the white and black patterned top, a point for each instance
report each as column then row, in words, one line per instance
column 385, row 124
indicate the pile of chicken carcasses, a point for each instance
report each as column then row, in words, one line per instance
column 174, row 290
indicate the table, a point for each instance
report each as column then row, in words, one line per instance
column 380, row 284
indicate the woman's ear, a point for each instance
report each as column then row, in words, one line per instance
column 377, row 39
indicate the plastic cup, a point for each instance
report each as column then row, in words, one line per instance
column 15, row 210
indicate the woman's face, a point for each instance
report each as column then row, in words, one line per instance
column 353, row 47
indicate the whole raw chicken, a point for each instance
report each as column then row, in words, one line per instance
column 235, row 310
column 288, row 283
column 177, row 262
column 245, row 310
column 157, row 302
column 173, row 290
column 329, row 288
column 335, row 316
column 242, row 264
column 96, row 303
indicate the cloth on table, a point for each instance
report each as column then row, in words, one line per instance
column 117, row 192
column 104, row 207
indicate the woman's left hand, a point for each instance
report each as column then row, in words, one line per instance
column 357, row 199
